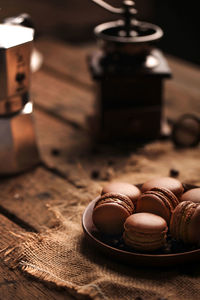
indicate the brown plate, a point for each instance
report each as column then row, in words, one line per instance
column 130, row 257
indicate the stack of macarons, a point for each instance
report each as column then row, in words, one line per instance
column 145, row 216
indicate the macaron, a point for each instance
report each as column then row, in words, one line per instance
column 172, row 184
column 110, row 213
column 158, row 201
column 123, row 188
column 192, row 195
column 145, row 232
column 185, row 221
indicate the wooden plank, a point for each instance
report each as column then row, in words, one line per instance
column 66, row 59
column 14, row 284
column 27, row 195
column 180, row 99
column 182, row 92
column 62, row 146
column 62, row 99
column 71, row 151
column 185, row 74
column 26, row 203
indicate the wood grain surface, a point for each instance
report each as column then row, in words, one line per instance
column 73, row 167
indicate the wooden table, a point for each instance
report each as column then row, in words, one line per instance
column 73, row 167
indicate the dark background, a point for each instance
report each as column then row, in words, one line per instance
column 180, row 21
column 73, row 20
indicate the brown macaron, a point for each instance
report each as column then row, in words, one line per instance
column 169, row 183
column 145, row 232
column 110, row 213
column 185, row 221
column 158, row 201
column 191, row 195
column 123, row 188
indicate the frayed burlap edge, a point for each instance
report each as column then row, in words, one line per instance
column 14, row 257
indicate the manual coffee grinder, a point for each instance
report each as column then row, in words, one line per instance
column 129, row 73
column 18, row 150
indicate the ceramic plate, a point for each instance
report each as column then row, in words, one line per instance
column 131, row 257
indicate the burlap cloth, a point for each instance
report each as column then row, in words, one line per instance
column 63, row 256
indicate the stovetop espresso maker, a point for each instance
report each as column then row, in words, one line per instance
column 18, row 149
column 128, row 70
